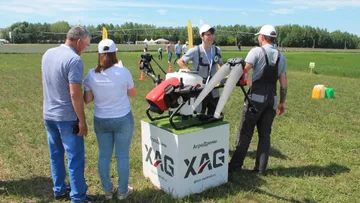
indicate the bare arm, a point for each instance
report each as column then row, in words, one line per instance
column 88, row 96
column 283, row 92
column 182, row 64
column 248, row 66
column 78, row 104
column 283, row 87
column 131, row 92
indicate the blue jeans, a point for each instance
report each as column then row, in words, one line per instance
column 169, row 56
column 61, row 140
column 118, row 132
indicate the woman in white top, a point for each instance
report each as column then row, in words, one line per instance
column 110, row 85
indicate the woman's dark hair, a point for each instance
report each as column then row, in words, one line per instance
column 106, row 60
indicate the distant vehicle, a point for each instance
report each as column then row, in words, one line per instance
column 4, row 41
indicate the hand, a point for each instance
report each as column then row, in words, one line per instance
column 82, row 128
column 281, row 109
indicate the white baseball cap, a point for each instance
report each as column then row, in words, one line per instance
column 107, row 43
column 206, row 28
column 267, row 30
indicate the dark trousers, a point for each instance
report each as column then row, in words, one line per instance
column 263, row 121
column 160, row 55
column 209, row 103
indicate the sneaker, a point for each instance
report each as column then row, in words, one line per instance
column 65, row 196
column 109, row 195
column 262, row 173
column 122, row 196
column 89, row 199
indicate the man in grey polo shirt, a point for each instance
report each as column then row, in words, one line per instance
column 205, row 57
column 269, row 65
column 64, row 117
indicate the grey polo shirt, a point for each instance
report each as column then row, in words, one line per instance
column 60, row 66
column 193, row 55
column 256, row 58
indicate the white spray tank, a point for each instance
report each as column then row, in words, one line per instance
column 188, row 78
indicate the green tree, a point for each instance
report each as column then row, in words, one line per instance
column 60, row 27
column 288, row 35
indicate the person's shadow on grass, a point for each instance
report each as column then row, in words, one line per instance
column 37, row 187
column 330, row 170
column 241, row 182
column 273, row 153
column 40, row 187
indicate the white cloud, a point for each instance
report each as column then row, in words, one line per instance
column 331, row 8
column 38, row 7
column 65, row 7
column 162, row 12
column 244, row 13
column 177, row 6
column 73, row 9
column 328, row 5
column 301, row 7
column 15, row 9
column 282, row 11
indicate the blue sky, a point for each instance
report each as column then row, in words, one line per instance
column 328, row 14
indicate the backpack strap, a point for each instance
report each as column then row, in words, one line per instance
column 266, row 57
column 200, row 58
column 277, row 60
column 216, row 52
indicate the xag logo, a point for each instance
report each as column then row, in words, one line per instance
column 218, row 160
column 166, row 165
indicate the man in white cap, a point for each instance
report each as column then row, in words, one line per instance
column 205, row 58
column 269, row 65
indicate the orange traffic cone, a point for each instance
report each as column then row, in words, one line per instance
column 142, row 76
column 169, row 68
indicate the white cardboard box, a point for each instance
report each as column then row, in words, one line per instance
column 186, row 163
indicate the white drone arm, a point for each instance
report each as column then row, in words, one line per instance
column 235, row 74
column 219, row 75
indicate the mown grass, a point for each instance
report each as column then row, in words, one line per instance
column 314, row 154
column 41, row 48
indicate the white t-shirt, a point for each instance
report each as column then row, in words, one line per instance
column 110, row 91
column 185, row 48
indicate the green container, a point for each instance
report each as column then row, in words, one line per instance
column 329, row 93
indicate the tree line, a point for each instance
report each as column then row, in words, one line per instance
column 288, row 35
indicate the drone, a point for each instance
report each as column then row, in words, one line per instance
column 181, row 93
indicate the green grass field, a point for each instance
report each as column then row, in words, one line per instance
column 41, row 48
column 315, row 145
